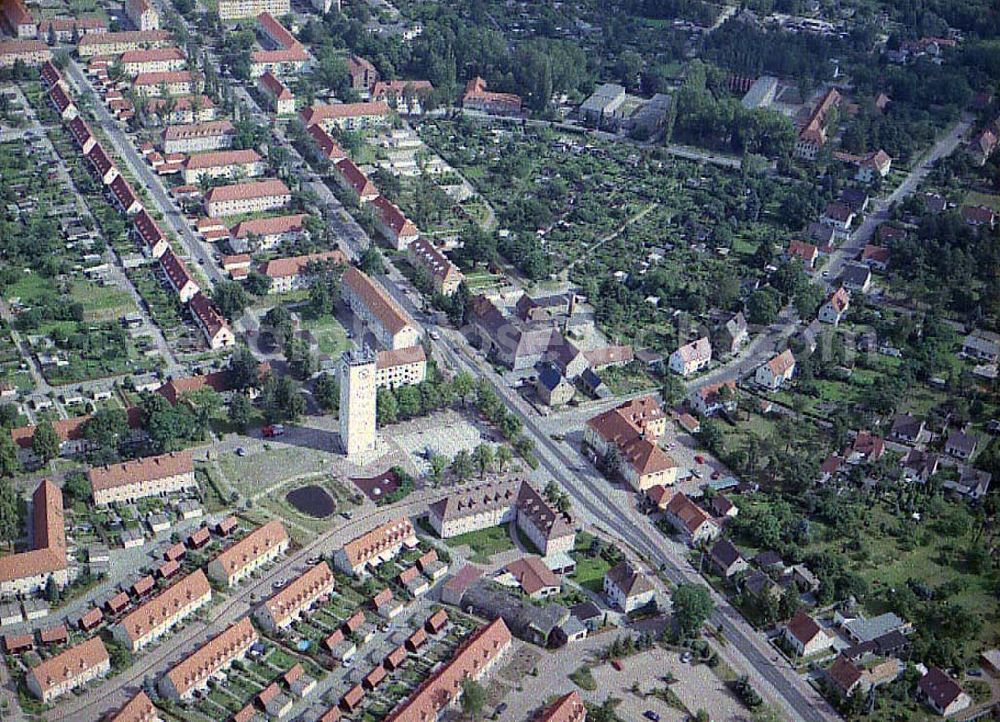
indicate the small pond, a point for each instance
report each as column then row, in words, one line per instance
column 311, row 500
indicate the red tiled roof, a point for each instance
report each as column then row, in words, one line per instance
column 49, row 551
column 436, row 692
column 152, row 55
column 568, row 708
column 274, row 86
column 393, row 217
column 389, row 313
column 321, row 112
column 70, row 664
column 166, row 77
column 371, row 544
column 251, row 547
column 165, row 606
column 199, row 130
column 221, row 158
column 294, row 266
column 208, row 314
column 532, row 574
column 246, row 191
column 355, row 178
column 211, row 655
column 273, row 225
column 687, row 512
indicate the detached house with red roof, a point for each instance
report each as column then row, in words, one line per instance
column 777, row 371
column 693, row 522
column 805, row 252
column 941, row 693
column 835, row 307
column 806, row 636
column 692, row 357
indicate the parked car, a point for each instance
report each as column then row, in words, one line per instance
column 651, row 715
column 269, row 432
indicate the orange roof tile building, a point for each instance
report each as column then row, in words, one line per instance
column 29, row 571
column 240, row 560
column 150, row 476
column 146, row 624
column 68, row 670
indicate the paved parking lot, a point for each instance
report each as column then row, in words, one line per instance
column 697, row 687
column 446, row 433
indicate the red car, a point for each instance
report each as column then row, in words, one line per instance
column 716, row 474
column 700, row 459
column 269, row 432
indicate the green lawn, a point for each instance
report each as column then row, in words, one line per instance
column 330, row 335
column 590, row 571
column 484, row 543
column 101, row 303
column 975, row 198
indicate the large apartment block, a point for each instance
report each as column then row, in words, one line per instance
column 151, row 476
column 253, row 197
column 223, row 164
column 68, row 670
column 391, row 325
column 246, row 556
column 290, row 274
column 347, row 116
column 215, row 656
column 165, row 84
column 376, row 547
column 29, row 571
column 240, row 9
column 118, row 43
column 150, row 621
column 486, row 505
column 155, row 60
column 400, row 367
column 198, row 137
column 288, row 604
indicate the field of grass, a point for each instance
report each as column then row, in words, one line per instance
column 975, row 198
column 484, row 543
column 101, row 303
column 330, row 335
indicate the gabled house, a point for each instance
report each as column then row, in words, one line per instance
column 941, row 693
column 866, row 448
column 777, row 371
column 627, row 588
column 856, row 277
column 806, row 636
column 907, row 428
column 835, row 307
column 693, row 523
column 733, row 334
column 805, row 252
column 710, row 400
column 692, row 357
column 727, row 559
column 961, row 445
